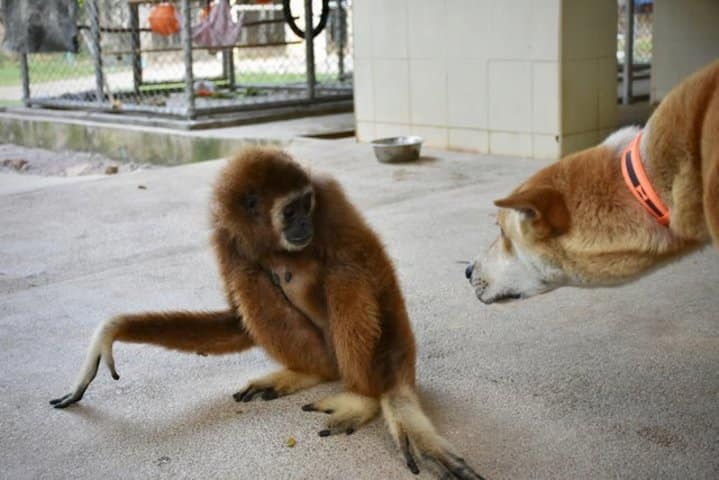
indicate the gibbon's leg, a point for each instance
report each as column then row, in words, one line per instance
column 277, row 384
column 347, row 412
column 202, row 332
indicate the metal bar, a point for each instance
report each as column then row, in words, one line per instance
column 341, row 39
column 628, row 53
column 309, row 51
column 187, row 49
column 135, row 43
column 217, row 47
column 95, row 38
column 231, row 69
column 25, row 75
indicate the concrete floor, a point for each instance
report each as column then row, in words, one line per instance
column 601, row 383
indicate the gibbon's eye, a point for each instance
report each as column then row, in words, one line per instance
column 289, row 210
column 250, row 201
column 307, row 201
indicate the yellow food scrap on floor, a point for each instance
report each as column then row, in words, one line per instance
column 291, row 442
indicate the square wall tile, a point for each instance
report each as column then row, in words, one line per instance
column 580, row 98
column 389, row 28
column 467, row 33
column 365, row 131
column 510, row 29
column 363, row 90
column 391, row 90
column 384, row 130
column 545, row 146
column 545, row 97
column 427, row 28
column 545, row 30
column 428, row 92
column 510, row 96
column 467, row 93
column 516, row 144
column 362, row 29
column 431, row 136
column 469, row 140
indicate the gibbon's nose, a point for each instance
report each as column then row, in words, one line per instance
column 468, row 271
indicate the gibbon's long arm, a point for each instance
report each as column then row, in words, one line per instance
column 215, row 333
column 285, row 333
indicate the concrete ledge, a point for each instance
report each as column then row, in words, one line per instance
column 147, row 144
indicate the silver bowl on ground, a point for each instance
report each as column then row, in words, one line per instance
column 397, row 149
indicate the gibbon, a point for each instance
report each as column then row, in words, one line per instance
column 307, row 280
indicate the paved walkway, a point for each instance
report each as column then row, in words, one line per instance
column 602, row 383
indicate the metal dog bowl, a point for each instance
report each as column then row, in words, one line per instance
column 397, row 149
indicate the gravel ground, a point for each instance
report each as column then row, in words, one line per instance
column 37, row 161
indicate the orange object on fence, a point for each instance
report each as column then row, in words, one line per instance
column 163, row 19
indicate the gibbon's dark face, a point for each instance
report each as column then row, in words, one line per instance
column 292, row 216
column 267, row 201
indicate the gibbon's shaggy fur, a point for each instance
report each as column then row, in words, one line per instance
column 307, row 280
column 576, row 222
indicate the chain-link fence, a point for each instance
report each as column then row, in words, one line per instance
column 634, row 49
column 193, row 58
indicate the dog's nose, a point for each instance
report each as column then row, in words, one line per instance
column 468, row 271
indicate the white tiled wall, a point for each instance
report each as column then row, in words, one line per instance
column 481, row 75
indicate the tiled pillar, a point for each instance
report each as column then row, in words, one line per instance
column 685, row 38
column 489, row 76
column 588, row 72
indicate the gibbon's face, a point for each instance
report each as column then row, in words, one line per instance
column 267, row 201
column 291, row 217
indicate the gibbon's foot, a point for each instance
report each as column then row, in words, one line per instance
column 347, row 412
column 277, row 384
column 447, row 464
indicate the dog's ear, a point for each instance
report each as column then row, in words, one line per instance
column 544, row 207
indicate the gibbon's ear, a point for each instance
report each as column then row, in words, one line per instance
column 544, row 207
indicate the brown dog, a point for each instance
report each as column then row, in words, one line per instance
column 579, row 222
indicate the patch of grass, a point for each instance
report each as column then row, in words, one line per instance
column 46, row 67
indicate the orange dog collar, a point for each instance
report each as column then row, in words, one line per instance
column 636, row 179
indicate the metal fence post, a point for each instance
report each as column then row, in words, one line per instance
column 25, row 75
column 628, row 73
column 187, row 50
column 341, row 39
column 96, row 49
column 309, row 51
column 135, row 46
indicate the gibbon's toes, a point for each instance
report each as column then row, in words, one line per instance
column 347, row 412
column 449, row 465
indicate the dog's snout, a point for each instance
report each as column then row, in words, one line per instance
column 468, row 271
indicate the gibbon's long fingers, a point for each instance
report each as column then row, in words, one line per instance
column 79, row 391
column 277, row 384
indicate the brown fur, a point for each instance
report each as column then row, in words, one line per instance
column 331, row 309
column 611, row 237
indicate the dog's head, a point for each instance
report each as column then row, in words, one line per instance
column 572, row 223
column 521, row 262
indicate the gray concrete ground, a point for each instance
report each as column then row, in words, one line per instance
column 601, row 383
